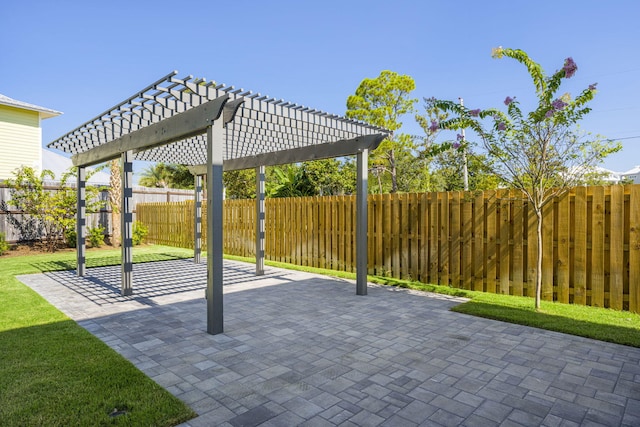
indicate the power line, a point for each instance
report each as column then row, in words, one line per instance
column 620, row 139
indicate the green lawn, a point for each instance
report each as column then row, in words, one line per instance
column 55, row 373
column 621, row 327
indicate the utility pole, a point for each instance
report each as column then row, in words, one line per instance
column 465, row 170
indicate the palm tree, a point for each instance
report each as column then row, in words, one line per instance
column 156, row 176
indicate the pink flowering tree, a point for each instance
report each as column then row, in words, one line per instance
column 542, row 152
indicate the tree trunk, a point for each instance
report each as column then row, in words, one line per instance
column 539, row 268
column 392, row 167
column 115, row 196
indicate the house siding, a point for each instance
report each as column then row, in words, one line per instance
column 20, row 140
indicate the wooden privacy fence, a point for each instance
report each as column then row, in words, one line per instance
column 101, row 218
column 484, row 241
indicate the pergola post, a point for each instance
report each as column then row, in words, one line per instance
column 197, row 229
column 215, row 142
column 361, row 222
column 126, row 218
column 260, row 172
column 81, row 221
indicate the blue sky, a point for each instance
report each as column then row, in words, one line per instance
column 83, row 57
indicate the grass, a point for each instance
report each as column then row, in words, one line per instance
column 620, row 327
column 55, row 373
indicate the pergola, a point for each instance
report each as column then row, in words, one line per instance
column 211, row 128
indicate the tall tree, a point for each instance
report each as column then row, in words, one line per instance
column 541, row 153
column 421, row 166
column 383, row 101
column 448, row 172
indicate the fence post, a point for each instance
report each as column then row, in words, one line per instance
column 634, row 248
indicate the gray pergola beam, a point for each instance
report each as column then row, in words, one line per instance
column 181, row 126
column 300, row 154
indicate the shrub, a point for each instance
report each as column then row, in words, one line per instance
column 4, row 246
column 96, row 237
column 139, row 232
column 70, row 237
column 37, row 212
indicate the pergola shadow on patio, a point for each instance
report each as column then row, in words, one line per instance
column 300, row 350
column 102, row 286
column 211, row 128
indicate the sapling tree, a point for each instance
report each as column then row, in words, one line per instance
column 542, row 152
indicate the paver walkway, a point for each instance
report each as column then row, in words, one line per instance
column 301, row 349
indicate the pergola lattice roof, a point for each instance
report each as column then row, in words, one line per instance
column 261, row 125
column 211, row 127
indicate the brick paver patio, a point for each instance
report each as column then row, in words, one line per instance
column 302, row 349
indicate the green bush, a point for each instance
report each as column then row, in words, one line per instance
column 44, row 212
column 70, row 237
column 96, row 237
column 4, row 246
column 140, row 231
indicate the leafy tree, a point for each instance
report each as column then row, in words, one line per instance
column 331, row 176
column 541, row 153
column 425, row 158
column 45, row 212
column 289, row 181
column 240, row 184
column 382, row 101
column 448, row 173
column 318, row 177
column 414, row 171
column 163, row 175
column 180, row 177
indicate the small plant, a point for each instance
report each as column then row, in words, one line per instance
column 4, row 246
column 139, row 232
column 96, row 236
column 70, row 237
